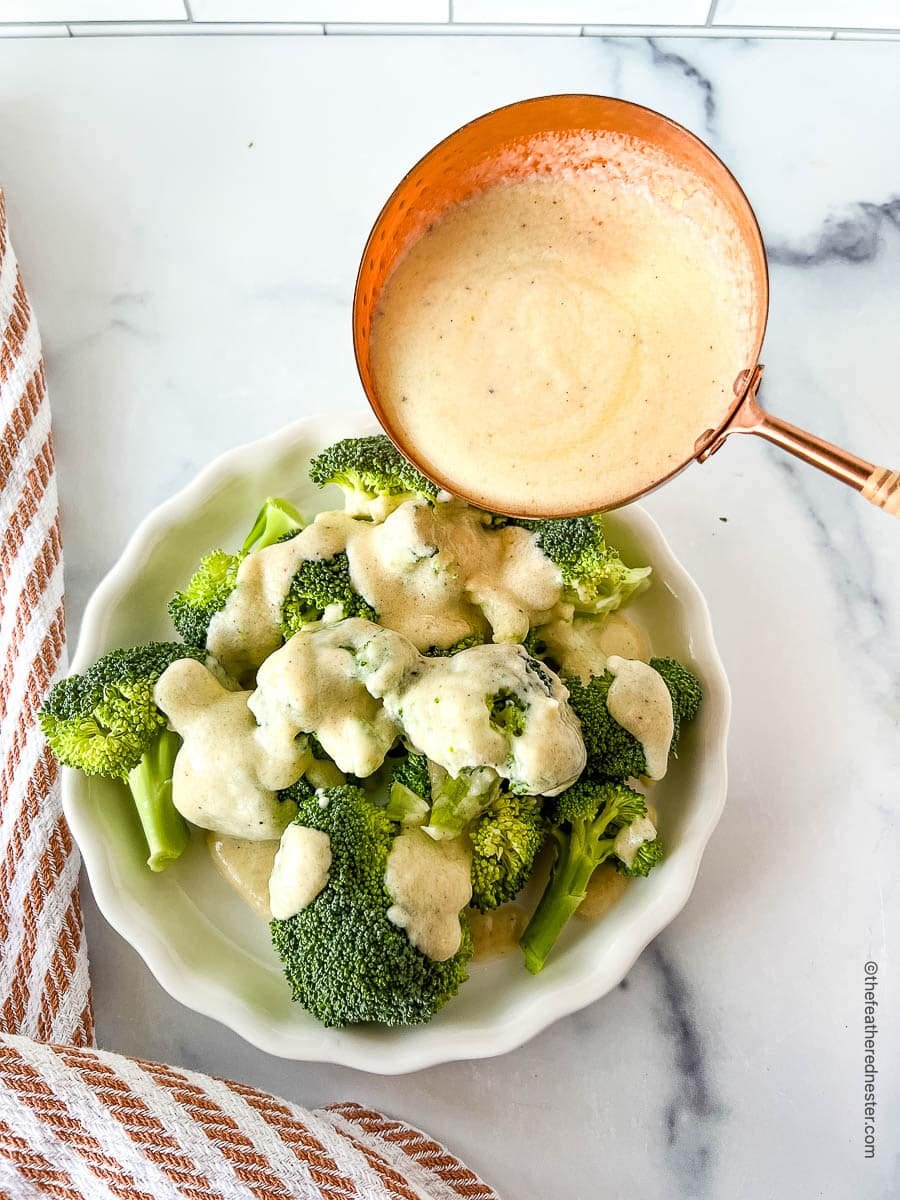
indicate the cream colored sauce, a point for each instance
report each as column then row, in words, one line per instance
column 558, row 342
column 497, row 932
column 640, row 702
column 631, row 837
column 446, row 717
column 300, row 870
column 430, row 884
column 225, row 776
column 314, row 683
column 246, row 866
column 582, row 645
column 433, row 572
column 359, row 687
column 248, row 629
column 323, row 773
column 605, row 890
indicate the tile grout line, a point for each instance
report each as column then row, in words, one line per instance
column 175, row 25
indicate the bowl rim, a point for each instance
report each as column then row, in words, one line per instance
column 397, row 1055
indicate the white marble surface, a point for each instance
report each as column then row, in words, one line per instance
column 190, row 213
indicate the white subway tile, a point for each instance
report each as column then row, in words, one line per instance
column 417, row 12
column 704, row 31
column 12, row 31
column 163, row 29
column 92, row 10
column 856, row 14
column 583, row 12
column 460, row 30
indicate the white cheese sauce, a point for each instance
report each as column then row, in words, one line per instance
column 246, row 866
column 582, row 645
column 558, row 341
column 430, row 884
column 434, row 572
column 359, row 687
column 640, row 702
column 314, row 683
column 225, row 777
column 446, row 715
column 300, row 870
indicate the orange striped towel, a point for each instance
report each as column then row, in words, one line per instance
column 79, row 1122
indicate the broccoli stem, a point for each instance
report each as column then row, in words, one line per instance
column 578, row 856
column 151, row 787
column 275, row 520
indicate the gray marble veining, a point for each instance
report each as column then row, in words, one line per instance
column 189, row 215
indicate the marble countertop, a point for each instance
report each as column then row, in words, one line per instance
column 189, row 215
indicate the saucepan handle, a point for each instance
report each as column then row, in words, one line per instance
column 879, row 485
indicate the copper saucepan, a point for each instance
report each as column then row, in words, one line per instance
column 457, row 167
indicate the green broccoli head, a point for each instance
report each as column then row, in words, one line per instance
column 685, row 690
column 646, row 857
column 508, row 712
column 409, row 789
column 465, row 643
column 614, row 753
column 506, row 840
column 588, row 819
column 370, row 470
column 345, row 961
column 103, row 722
column 595, row 579
column 216, row 577
column 318, row 584
column 455, row 803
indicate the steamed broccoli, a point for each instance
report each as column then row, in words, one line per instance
column 684, row 688
column 505, row 842
column 106, row 722
column 318, row 584
column 588, row 819
column 372, row 473
column 594, row 577
column 409, row 796
column 215, row 578
column 465, row 643
column 345, row 961
column 507, row 709
column 455, row 802
column 614, row 753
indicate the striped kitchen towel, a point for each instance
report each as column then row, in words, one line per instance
column 75, row 1121
column 44, row 988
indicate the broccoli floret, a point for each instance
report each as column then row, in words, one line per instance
column 594, row 577
column 614, row 753
column 505, row 842
column 216, row 576
column 586, row 818
column 455, row 803
column 646, row 857
column 409, row 795
column 465, row 643
column 345, row 961
column 685, row 690
column 105, row 722
column 507, row 710
column 372, row 473
column 319, row 583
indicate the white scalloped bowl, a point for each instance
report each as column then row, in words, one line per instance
column 213, row 955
